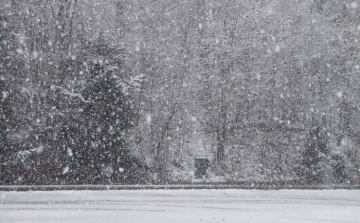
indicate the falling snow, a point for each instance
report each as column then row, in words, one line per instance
column 158, row 92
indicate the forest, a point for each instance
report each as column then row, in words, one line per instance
column 133, row 91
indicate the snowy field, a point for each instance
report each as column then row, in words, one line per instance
column 183, row 206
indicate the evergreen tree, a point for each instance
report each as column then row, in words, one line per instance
column 100, row 129
column 5, row 103
column 4, row 119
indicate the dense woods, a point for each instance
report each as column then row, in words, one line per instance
column 122, row 91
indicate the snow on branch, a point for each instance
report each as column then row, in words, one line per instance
column 24, row 154
column 133, row 83
column 71, row 94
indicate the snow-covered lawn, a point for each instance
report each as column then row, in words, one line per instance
column 183, row 206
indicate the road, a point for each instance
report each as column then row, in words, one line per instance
column 158, row 206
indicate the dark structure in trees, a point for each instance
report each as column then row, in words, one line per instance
column 201, row 165
column 314, row 157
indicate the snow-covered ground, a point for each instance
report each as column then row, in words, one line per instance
column 183, row 206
